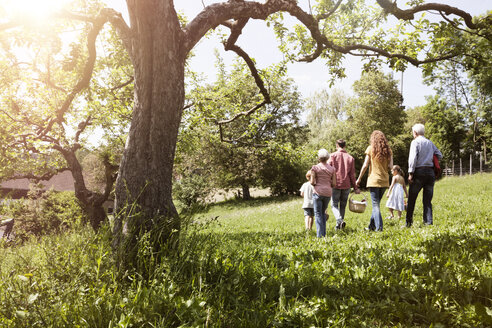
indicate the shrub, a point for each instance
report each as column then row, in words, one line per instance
column 192, row 191
column 43, row 213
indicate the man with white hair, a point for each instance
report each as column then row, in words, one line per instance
column 421, row 174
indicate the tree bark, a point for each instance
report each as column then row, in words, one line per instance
column 90, row 201
column 246, row 193
column 144, row 184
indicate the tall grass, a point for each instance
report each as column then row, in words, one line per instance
column 251, row 264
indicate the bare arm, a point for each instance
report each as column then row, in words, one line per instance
column 367, row 160
column 333, row 179
column 313, row 178
column 405, row 187
column 390, row 164
column 352, row 176
column 392, row 185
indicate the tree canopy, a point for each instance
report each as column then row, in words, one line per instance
column 158, row 44
column 54, row 96
column 236, row 150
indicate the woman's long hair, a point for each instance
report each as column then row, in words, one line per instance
column 380, row 147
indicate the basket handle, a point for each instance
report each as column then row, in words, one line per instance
column 363, row 195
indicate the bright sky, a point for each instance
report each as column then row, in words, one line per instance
column 259, row 41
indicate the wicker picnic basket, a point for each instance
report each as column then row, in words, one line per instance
column 357, row 206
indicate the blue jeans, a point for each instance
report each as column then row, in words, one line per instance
column 423, row 178
column 376, row 222
column 320, row 205
column 338, row 204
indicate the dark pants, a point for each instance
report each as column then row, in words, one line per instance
column 423, row 178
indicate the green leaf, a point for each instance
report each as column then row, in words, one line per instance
column 32, row 298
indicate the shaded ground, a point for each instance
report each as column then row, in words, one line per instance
column 222, row 195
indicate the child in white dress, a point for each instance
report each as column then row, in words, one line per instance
column 396, row 200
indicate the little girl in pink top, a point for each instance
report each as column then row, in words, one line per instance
column 323, row 178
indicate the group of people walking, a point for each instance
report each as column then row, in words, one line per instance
column 334, row 176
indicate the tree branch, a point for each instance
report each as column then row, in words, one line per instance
column 84, row 80
column 331, row 12
column 409, row 14
column 237, row 141
column 123, row 30
column 236, row 30
column 457, row 27
column 110, row 176
column 81, row 127
column 231, row 46
column 215, row 14
column 37, row 178
column 123, row 84
column 188, row 106
column 246, row 113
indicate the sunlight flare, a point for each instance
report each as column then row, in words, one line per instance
column 35, row 11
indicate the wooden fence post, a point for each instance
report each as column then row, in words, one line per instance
column 481, row 162
column 453, row 167
column 471, row 163
column 461, row 167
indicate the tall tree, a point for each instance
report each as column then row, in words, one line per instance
column 460, row 83
column 235, row 152
column 445, row 126
column 325, row 116
column 158, row 46
column 45, row 124
column 376, row 105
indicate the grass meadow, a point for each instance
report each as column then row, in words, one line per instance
column 251, row 264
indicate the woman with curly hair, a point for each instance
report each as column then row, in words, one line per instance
column 379, row 160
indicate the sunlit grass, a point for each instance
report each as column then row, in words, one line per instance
column 251, row 264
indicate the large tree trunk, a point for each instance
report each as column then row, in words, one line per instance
column 246, row 193
column 144, row 184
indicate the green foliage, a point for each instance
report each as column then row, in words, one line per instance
column 375, row 106
column 46, row 111
column 283, row 169
column 243, row 153
column 191, row 191
column 251, row 264
column 44, row 213
column 466, row 84
column 445, row 127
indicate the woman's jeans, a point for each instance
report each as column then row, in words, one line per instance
column 320, row 205
column 338, row 203
column 423, row 178
column 376, row 222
